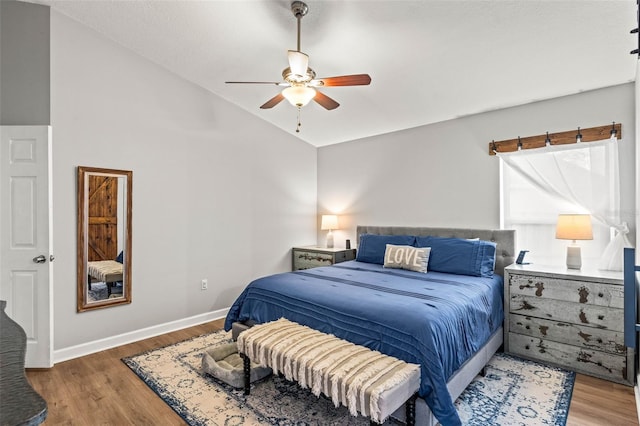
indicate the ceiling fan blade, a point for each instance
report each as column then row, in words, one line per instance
column 345, row 80
column 257, row 82
column 272, row 102
column 325, row 101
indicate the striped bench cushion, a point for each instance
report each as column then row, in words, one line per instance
column 107, row 271
column 367, row 382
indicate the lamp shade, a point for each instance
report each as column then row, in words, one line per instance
column 298, row 63
column 574, row 227
column 299, row 96
column 329, row 222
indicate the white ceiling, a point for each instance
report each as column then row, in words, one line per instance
column 429, row 60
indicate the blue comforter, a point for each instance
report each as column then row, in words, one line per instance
column 436, row 320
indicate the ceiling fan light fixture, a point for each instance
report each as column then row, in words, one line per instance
column 299, row 96
column 298, row 63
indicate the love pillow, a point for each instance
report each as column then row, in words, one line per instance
column 407, row 257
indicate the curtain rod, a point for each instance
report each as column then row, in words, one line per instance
column 590, row 134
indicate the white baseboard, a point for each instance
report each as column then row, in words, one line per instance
column 637, row 393
column 88, row 348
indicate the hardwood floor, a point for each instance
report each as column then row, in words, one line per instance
column 100, row 389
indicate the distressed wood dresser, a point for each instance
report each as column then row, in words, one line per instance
column 568, row 318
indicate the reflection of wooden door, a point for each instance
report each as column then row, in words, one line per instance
column 103, row 218
column 25, row 236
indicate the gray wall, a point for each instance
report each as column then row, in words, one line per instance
column 24, row 55
column 217, row 193
column 442, row 175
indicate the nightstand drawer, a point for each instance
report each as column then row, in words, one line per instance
column 573, row 334
column 312, row 257
column 307, row 259
column 596, row 363
column 593, row 293
column 345, row 255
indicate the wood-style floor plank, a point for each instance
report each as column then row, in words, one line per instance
column 100, row 389
column 598, row 402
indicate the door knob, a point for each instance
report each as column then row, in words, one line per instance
column 40, row 259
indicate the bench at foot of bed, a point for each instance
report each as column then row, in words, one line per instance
column 365, row 381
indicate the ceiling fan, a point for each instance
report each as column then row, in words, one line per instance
column 300, row 80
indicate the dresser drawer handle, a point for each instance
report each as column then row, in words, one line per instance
column 527, row 347
column 600, row 295
column 527, row 327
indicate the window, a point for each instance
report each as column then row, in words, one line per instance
column 539, row 184
column 533, row 214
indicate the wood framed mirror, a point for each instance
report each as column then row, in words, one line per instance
column 104, row 237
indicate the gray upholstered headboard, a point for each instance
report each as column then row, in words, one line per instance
column 505, row 239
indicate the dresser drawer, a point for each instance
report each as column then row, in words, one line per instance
column 573, row 334
column 575, row 313
column 593, row 293
column 596, row 363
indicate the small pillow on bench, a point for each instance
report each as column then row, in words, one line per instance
column 224, row 363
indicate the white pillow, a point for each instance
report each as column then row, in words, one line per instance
column 407, row 257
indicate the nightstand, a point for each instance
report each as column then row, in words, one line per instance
column 311, row 257
column 569, row 318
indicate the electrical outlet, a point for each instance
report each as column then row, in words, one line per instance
column 204, row 284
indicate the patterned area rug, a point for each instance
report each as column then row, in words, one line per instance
column 513, row 392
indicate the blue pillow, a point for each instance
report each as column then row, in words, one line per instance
column 119, row 258
column 459, row 256
column 372, row 247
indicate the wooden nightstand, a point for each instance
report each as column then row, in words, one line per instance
column 569, row 318
column 311, row 257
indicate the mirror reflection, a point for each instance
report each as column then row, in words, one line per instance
column 104, row 237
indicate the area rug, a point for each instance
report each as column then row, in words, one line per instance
column 513, row 392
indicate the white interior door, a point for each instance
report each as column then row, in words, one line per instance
column 25, row 236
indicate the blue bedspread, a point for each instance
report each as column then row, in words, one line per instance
column 436, row 320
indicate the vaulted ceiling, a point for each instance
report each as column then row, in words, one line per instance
column 429, row 60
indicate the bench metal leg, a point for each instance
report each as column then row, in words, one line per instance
column 247, row 373
column 411, row 410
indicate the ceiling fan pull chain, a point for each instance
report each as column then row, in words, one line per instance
column 299, row 124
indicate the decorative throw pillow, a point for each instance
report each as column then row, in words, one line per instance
column 371, row 247
column 460, row 256
column 407, row 257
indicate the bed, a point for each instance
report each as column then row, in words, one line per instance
column 448, row 322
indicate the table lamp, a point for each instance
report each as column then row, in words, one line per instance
column 329, row 222
column 574, row 227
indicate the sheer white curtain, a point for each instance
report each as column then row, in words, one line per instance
column 584, row 174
